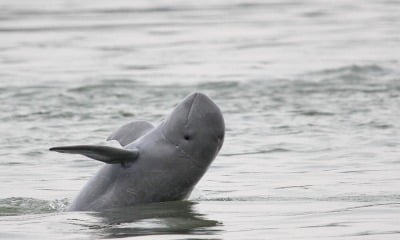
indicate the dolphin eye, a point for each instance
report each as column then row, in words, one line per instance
column 187, row 137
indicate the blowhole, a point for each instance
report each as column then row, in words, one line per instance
column 187, row 137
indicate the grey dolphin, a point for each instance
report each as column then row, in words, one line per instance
column 156, row 164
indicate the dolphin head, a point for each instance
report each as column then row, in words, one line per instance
column 196, row 127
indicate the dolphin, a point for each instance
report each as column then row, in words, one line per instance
column 155, row 163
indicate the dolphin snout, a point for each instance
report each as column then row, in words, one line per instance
column 198, row 98
column 197, row 103
column 203, row 110
column 195, row 95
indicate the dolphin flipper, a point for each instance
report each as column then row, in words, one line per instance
column 105, row 154
column 130, row 132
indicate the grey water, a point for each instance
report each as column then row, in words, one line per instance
column 310, row 92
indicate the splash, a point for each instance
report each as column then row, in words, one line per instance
column 15, row 206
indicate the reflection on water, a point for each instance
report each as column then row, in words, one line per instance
column 169, row 218
column 153, row 219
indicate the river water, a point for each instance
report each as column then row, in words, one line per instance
column 310, row 92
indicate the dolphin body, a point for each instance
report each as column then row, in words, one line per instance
column 156, row 164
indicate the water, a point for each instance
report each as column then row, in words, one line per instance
column 310, row 93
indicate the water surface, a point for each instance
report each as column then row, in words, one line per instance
column 310, row 92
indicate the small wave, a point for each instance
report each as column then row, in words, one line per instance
column 240, row 199
column 375, row 199
column 20, row 206
column 313, row 113
column 370, row 69
column 274, row 150
column 351, row 73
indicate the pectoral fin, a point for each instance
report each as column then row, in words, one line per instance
column 130, row 132
column 105, row 154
